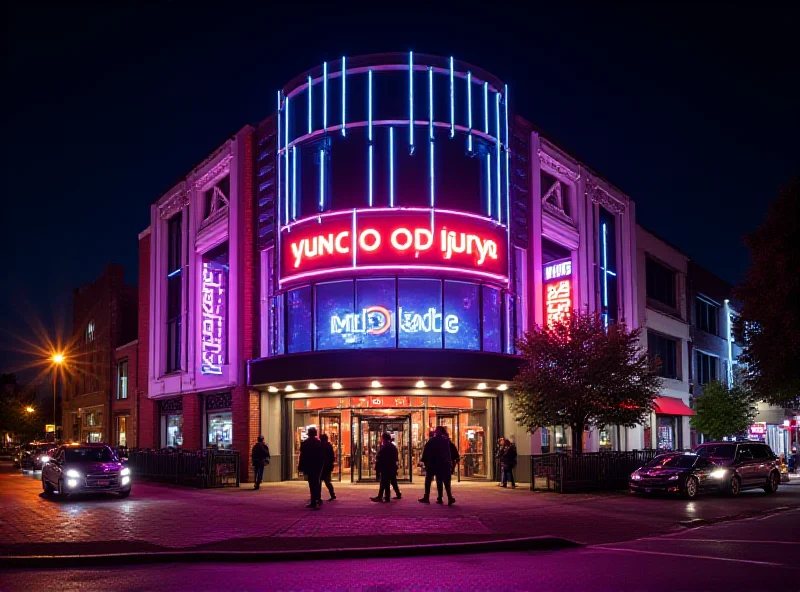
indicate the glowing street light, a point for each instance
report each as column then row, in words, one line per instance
column 57, row 358
column 29, row 409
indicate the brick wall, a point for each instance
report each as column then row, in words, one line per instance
column 192, row 422
column 147, row 424
column 125, row 407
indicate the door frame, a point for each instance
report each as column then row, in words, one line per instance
column 456, row 417
column 338, row 417
column 357, row 444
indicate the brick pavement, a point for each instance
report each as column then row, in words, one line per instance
column 162, row 517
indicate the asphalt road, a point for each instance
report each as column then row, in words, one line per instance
column 754, row 554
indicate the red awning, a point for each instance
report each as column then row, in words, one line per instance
column 671, row 406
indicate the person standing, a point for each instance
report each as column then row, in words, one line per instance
column 438, row 464
column 311, row 463
column 498, row 456
column 444, row 475
column 327, row 469
column 386, row 468
column 507, row 463
column 260, row 457
column 395, row 486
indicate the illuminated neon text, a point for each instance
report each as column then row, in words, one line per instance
column 558, row 302
column 212, row 345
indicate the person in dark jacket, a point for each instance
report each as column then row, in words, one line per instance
column 436, row 456
column 508, row 460
column 312, row 461
column 386, row 468
column 327, row 469
column 260, row 457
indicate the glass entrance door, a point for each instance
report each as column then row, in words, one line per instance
column 368, row 440
column 329, row 423
column 450, row 421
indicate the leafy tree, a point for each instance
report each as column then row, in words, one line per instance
column 721, row 411
column 14, row 401
column 769, row 323
column 582, row 374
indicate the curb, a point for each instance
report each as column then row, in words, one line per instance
column 542, row 543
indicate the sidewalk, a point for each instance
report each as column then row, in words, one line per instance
column 160, row 518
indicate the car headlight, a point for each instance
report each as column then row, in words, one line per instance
column 674, row 478
column 73, row 474
column 125, row 472
column 126, row 480
column 72, row 482
column 636, row 477
column 718, row 474
column 44, row 458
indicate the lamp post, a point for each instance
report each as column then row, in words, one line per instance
column 57, row 359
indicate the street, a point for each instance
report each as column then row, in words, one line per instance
column 756, row 554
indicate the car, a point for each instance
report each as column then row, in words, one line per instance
column 86, row 468
column 35, row 456
column 746, row 465
column 682, row 473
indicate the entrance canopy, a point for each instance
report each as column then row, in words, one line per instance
column 671, row 406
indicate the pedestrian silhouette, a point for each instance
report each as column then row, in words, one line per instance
column 311, row 463
column 327, row 469
column 260, row 456
column 386, row 468
column 437, row 456
column 508, row 460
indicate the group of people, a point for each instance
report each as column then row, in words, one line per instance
column 439, row 457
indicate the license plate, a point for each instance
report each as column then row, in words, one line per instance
column 648, row 490
column 104, row 482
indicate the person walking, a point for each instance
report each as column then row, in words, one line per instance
column 498, row 455
column 260, row 457
column 438, row 464
column 327, row 469
column 311, row 463
column 395, row 486
column 386, row 468
column 445, row 474
column 507, row 463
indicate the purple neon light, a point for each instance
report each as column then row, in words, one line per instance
column 411, row 209
column 344, row 96
column 460, row 270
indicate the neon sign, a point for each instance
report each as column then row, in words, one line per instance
column 385, row 238
column 558, row 302
column 212, row 344
column 377, row 320
column 557, row 270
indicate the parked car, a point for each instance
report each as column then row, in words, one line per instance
column 746, row 465
column 681, row 473
column 86, row 468
column 35, row 456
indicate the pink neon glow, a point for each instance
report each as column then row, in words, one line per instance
column 288, row 227
column 457, row 270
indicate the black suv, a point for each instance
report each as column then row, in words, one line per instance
column 743, row 465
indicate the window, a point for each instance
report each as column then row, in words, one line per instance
column 706, row 368
column 666, row 350
column 660, row 283
column 122, row 431
column 608, row 266
column 220, row 430
column 122, row 380
column 298, row 303
column 174, row 293
column 90, row 331
column 706, row 315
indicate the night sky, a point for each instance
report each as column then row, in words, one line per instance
column 694, row 112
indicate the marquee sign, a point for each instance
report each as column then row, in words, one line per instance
column 378, row 239
column 212, row 334
column 377, row 320
column 557, row 292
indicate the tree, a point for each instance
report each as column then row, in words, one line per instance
column 769, row 321
column 582, row 374
column 14, row 403
column 721, row 411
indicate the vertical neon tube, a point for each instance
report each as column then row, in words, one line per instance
column 430, row 104
column 370, row 148
column 497, row 152
column 344, row 95
column 325, row 96
column 433, row 195
column 310, row 126
column 505, row 99
column 411, row 100
column 369, row 105
column 469, row 111
column 452, row 101
column 286, row 157
column 322, row 180
column 391, row 167
column 489, row 184
column 294, row 182
column 278, row 153
column 605, row 277
column 354, row 241
column 486, row 107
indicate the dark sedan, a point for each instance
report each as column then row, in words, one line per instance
column 35, row 457
column 680, row 473
column 86, row 468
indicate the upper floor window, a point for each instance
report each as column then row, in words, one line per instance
column 666, row 350
column 90, row 331
column 608, row 266
column 174, row 292
column 122, row 380
column 706, row 368
column 217, row 197
column 706, row 315
column 660, row 283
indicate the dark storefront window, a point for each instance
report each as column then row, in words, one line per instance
column 706, row 368
column 122, row 380
column 174, row 293
column 660, row 281
column 335, row 315
column 299, row 326
column 608, row 266
column 492, row 319
column 462, row 303
column 419, row 313
column 667, row 351
column 706, row 315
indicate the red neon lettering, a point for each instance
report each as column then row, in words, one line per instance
column 319, row 245
column 558, row 302
column 376, row 239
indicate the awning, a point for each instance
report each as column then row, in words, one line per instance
column 671, row 406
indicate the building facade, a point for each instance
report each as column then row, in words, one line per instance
column 665, row 321
column 104, row 318
column 124, row 417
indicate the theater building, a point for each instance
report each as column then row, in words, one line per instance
column 408, row 227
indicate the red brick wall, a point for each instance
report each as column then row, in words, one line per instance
column 147, row 425
column 126, row 407
column 192, row 422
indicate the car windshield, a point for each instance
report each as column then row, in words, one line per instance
column 89, row 455
column 683, row 461
column 717, row 451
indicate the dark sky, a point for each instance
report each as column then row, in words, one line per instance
column 692, row 111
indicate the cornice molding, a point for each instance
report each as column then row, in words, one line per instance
column 217, row 170
column 603, row 197
column 557, row 166
column 171, row 205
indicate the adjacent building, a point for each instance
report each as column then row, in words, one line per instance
column 104, row 318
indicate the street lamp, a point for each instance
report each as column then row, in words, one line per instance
column 29, row 409
column 57, row 359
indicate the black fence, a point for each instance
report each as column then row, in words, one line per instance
column 198, row 468
column 590, row 471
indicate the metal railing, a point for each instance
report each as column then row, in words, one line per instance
column 199, row 468
column 590, row 471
